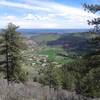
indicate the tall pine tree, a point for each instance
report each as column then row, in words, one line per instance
column 90, row 85
column 11, row 46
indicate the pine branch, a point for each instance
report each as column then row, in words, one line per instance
column 92, row 8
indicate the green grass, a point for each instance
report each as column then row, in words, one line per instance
column 52, row 54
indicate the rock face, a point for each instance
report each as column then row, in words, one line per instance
column 35, row 91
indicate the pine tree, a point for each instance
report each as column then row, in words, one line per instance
column 95, row 21
column 90, row 83
column 11, row 46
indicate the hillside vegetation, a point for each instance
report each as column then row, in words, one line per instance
column 50, row 66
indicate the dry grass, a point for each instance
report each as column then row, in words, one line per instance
column 34, row 91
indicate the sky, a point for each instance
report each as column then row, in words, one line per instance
column 57, row 14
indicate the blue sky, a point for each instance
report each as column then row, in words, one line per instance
column 45, row 13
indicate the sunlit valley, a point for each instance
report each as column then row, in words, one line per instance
column 49, row 50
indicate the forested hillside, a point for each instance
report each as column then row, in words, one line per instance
column 56, row 61
column 50, row 66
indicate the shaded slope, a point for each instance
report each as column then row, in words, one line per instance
column 76, row 42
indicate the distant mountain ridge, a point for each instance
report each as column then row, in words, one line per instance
column 40, row 31
column 31, row 32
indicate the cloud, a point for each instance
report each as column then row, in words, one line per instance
column 21, row 5
column 28, row 21
column 48, row 15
